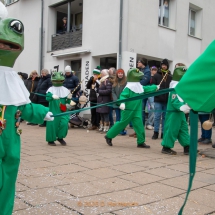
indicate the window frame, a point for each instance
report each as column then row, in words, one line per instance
column 189, row 25
column 161, row 13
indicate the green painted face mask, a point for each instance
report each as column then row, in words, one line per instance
column 134, row 75
column 11, row 41
column 57, row 79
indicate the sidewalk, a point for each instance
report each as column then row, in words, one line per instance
column 89, row 177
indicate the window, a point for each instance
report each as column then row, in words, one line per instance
column 195, row 21
column 163, row 18
column 192, row 22
column 10, row 1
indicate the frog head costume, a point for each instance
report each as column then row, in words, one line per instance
column 57, row 79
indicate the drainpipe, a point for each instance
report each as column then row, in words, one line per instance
column 120, row 35
column 41, row 38
column 68, row 16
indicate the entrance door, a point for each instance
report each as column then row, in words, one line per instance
column 76, row 66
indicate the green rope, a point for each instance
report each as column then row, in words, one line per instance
column 193, row 152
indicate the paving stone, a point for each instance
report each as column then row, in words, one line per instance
column 165, row 172
column 159, row 191
column 141, row 177
column 68, row 169
column 183, row 168
column 181, row 182
column 19, row 205
column 128, row 168
column 47, row 209
column 103, row 173
column 202, row 196
column 204, row 177
column 94, row 164
column 37, row 197
column 167, row 207
column 30, row 165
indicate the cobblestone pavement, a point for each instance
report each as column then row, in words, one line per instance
column 89, row 177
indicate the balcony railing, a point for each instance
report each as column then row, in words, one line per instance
column 66, row 40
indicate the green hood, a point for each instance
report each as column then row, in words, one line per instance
column 57, row 79
column 178, row 73
column 196, row 87
column 11, row 41
column 134, row 75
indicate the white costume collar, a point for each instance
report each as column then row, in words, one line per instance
column 61, row 92
column 173, row 84
column 13, row 90
column 135, row 87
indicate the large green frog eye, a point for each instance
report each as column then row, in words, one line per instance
column 137, row 70
column 61, row 74
column 53, row 75
column 17, row 26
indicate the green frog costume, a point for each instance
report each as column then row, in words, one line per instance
column 175, row 123
column 14, row 104
column 58, row 96
column 132, row 110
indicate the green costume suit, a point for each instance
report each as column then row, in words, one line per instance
column 175, row 124
column 132, row 113
column 59, row 127
column 14, row 96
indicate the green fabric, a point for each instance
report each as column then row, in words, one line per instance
column 10, row 152
column 175, row 124
column 131, row 116
column 196, row 87
column 59, row 127
column 193, row 153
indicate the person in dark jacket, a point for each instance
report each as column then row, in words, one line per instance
column 93, row 85
column 71, row 81
column 143, row 66
column 23, row 75
column 43, row 85
column 104, row 96
column 160, row 102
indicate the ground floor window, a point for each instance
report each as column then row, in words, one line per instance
column 108, row 62
column 76, row 67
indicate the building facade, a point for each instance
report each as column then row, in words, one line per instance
column 111, row 33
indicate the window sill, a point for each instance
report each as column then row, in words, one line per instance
column 195, row 37
column 166, row 27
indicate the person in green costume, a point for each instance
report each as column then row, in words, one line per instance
column 176, row 125
column 14, row 104
column 58, row 96
column 132, row 110
column 200, row 78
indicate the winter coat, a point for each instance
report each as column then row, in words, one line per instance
column 71, row 82
column 93, row 92
column 147, row 76
column 31, row 85
column 105, row 96
column 43, row 85
column 116, row 91
column 156, row 79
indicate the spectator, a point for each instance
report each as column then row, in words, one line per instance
column 31, row 84
column 64, row 26
column 43, row 85
column 71, row 81
column 104, row 96
column 23, row 75
column 118, row 86
column 150, row 120
column 112, row 75
column 206, row 134
column 142, row 65
column 93, row 85
column 161, row 101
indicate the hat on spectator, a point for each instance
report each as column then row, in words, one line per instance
column 68, row 69
column 120, row 71
column 165, row 62
column 97, row 70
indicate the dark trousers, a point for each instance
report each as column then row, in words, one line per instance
column 206, row 134
column 95, row 117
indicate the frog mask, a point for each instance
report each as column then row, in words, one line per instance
column 134, row 75
column 57, row 79
column 11, row 40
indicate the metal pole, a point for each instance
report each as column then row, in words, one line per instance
column 69, row 16
column 120, row 35
column 41, row 38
